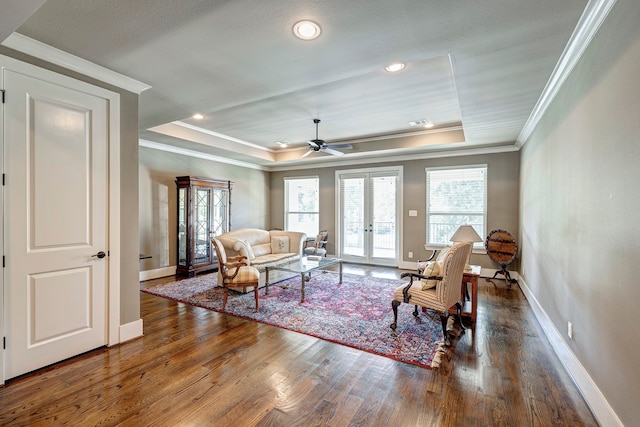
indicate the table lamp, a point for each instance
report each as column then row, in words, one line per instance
column 466, row 233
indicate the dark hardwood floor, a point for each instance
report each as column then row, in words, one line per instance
column 196, row 367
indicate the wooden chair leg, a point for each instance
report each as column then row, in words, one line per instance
column 224, row 299
column 394, row 306
column 459, row 315
column 444, row 317
column 255, row 288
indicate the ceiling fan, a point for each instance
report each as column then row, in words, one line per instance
column 316, row 145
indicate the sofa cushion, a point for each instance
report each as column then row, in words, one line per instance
column 261, row 249
column 271, row 260
column 279, row 244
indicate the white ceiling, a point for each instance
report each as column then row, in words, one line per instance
column 474, row 68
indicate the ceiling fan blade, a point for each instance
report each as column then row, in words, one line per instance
column 314, row 143
column 311, row 150
column 334, row 152
column 341, row 146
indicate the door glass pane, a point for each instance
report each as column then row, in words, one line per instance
column 353, row 219
column 202, row 247
column 383, row 203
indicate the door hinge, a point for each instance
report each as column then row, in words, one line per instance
column 3, row 178
column 3, row 92
column 3, row 261
column 4, row 343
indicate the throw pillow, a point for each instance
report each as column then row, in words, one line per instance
column 432, row 269
column 279, row 244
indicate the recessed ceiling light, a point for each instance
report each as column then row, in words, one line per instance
column 198, row 116
column 306, row 30
column 424, row 123
column 395, row 67
column 282, row 143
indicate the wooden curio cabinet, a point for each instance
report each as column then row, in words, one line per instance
column 204, row 207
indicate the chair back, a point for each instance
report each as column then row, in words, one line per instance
column 321, row 238
column 453, row 264
column 222, row 255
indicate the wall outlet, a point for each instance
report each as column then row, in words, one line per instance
column 570, row 330
column 410, row 255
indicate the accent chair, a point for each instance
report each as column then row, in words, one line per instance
column 235, row 272
column 438, row 288
column 319, row 246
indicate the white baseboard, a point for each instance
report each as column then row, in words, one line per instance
column 157, row 273
column 592, row 395
column 130, row 330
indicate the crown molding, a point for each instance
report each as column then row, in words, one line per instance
column 220, row 135
column 330, row 163
column 350, row 161
column 56, row 56
column 197, row 154
column 592, row 18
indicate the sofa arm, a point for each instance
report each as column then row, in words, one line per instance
column 228, row 244
column 296, row 239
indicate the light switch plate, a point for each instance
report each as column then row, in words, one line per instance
column 413, row 213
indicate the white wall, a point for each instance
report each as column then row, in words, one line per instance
column 580, row 211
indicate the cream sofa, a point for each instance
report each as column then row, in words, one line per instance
column 264, row 249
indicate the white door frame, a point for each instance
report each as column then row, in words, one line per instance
column 399, row 208
column 113, row 181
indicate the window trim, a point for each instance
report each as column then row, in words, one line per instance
column 479, row 246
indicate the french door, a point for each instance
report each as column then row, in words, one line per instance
column 368, row 222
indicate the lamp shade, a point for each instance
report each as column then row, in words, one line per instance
column 466, row 233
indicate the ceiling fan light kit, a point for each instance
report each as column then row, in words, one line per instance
column 317, row 144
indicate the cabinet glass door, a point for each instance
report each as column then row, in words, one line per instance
column 202, row 212
column 182, row 226
column 220, row 217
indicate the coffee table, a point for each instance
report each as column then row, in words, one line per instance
column 303, row 266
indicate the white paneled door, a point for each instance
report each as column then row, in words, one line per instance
column 55, row 222
column 369, row 221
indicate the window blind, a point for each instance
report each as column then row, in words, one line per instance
column 455, row 196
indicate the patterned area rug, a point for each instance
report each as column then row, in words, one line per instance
column 356, row 313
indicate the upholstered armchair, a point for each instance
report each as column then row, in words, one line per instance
column 319, row 246
column 438, row 288
column 235, row 272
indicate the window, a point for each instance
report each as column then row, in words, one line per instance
column 455, row 197
column 302, row 205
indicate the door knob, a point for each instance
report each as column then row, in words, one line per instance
column 100, row 255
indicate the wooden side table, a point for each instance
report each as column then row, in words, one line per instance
column 469, row 308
